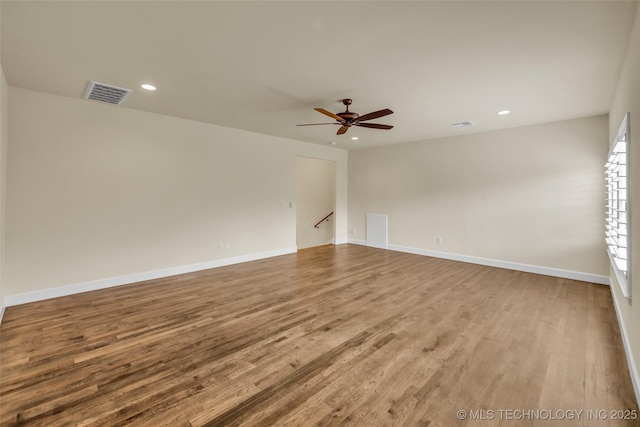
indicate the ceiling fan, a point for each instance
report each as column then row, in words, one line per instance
column 349, row 118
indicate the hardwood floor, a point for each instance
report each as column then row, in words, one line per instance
column 344, row 335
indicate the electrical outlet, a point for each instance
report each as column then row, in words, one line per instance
column 439, row 240
column 227, row 245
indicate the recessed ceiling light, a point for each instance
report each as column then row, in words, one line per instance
column 148, row 87
column 503, row 112
column 355, row 138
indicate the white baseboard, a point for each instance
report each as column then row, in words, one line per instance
column 633, row 368
column 547, row 271
column 341, row 241
column 27, row 297
column 1, row 310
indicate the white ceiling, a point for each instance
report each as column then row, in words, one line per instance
column 262, row 66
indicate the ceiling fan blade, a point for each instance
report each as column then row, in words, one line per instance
column 342, row 130
column 329, row 113
column 317, row 124
column 375, row 115
column 374, row 126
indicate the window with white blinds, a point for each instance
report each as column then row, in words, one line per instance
column 618, row 226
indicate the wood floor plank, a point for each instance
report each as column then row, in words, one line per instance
column 334, row 335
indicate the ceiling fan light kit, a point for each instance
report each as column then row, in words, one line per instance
column 348, row 118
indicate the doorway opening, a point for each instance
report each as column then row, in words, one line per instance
column 316, row 201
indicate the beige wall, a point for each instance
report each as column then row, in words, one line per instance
column 531, row 195
column 627, row 99
column 4, row 138
column 97, row 191
column 316, row 183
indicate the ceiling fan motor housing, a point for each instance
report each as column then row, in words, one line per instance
column 349, row 116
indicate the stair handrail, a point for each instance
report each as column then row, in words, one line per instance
column 326, row 218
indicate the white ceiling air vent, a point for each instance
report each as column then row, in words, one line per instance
column 106, row 93
column 462, row 124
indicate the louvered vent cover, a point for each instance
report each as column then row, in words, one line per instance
column 106, row 93
column 462, row 124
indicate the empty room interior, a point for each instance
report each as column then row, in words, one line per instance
column 300, row 213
